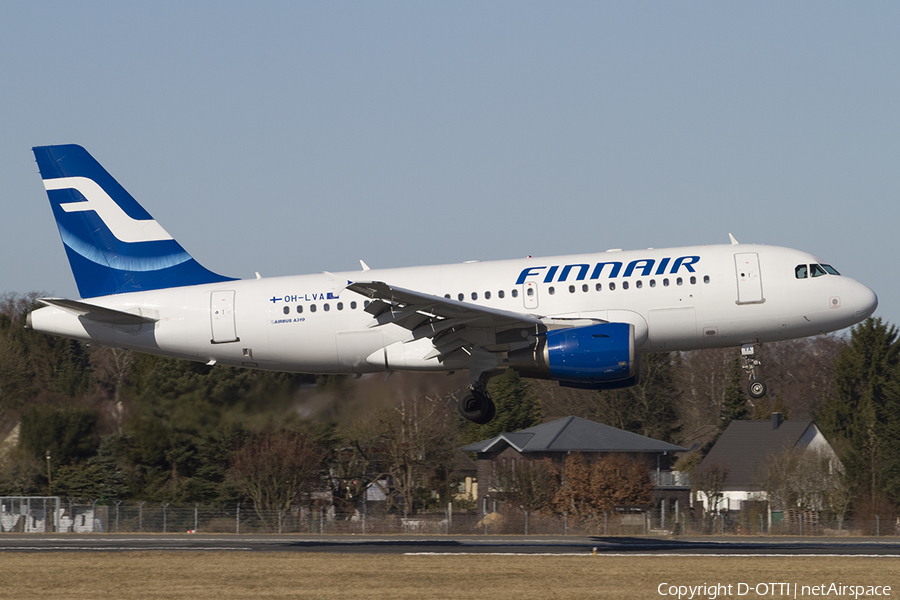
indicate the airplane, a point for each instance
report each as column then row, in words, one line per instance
column 582, row 320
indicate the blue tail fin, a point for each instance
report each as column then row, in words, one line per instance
column 114, row 246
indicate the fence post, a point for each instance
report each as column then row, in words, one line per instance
column 760, row 524
column 280, row 513
column 165, row 524
column 565, row 522
column 71, row 513
column 526, row 522
column 118, row 502
column 801, row 524
column 877, row 526
column 141, row 516
column 237, row 519
column 94, row 516
column 605, row 530
column 196, row 521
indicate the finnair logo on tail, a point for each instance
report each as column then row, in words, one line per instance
column 125, row 228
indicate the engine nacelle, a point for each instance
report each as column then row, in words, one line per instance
column 594, row 357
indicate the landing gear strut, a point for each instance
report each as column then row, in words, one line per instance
column 477, row 406
column 756, row 388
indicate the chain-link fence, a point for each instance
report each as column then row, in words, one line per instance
column 54, row 514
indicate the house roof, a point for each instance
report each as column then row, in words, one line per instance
column 572, row 434
column 745, row 446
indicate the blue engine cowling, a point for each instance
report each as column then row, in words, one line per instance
column 594, row 357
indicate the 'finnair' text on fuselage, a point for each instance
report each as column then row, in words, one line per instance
column 644, row 266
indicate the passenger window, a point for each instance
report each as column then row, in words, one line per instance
column 353, row 305
column 461, row 297
column 340, row 306
column 571, row 289
column 551, row 290
column 599, row 287
column 584, row 287
column 666, row 282
column 287, row 310
column 693, row 280
column 312, row 308
column 706, row 279
column 531, row 292
column 326, row 308
column 515, row 293
column 500, row 294
column 679, row 281
column 299, row 308
column 800, row 271
column 652, row 283
column 447, row 296
column 487, row 295
column 639, row 284
column 474, row 295
column 624, row 285
column 612, row 287
column 817, row 270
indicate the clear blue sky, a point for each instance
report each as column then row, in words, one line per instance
column 297, row 137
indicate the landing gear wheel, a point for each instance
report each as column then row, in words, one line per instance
column 477, row 407
column 756, row 389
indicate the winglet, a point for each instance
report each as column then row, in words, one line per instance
column 734, row 242
column 365, row 267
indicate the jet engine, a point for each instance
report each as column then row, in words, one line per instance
column 593, row 357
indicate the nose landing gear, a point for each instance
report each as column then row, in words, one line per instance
column 756, row 388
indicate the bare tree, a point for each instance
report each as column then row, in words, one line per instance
column 417, row 437
column 806, row 479
column 275, row 468
column 710, row 481
column 528, row 484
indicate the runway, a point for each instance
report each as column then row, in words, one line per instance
column 556, row 545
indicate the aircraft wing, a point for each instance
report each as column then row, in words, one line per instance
column 450, row 324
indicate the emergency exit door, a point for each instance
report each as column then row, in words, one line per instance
column 221, row 313
column 749, row 281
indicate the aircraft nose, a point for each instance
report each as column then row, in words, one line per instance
column 864, row 301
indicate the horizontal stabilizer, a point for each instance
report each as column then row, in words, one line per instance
column 99, row 314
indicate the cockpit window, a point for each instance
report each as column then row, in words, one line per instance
column 830, row 270
column 800, row 272
column 817, row 270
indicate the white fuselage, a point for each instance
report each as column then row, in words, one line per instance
column 676, row 298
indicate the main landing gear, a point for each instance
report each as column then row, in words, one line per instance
column 756, row 388
column 477, row 406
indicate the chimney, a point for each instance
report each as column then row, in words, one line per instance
column 776, row 420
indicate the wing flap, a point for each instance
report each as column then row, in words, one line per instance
column 391, row 298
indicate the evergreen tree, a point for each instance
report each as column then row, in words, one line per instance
column 648, row 408
column 734, row 402
column 69, row 434
column 517, row 408
column 863, row 421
